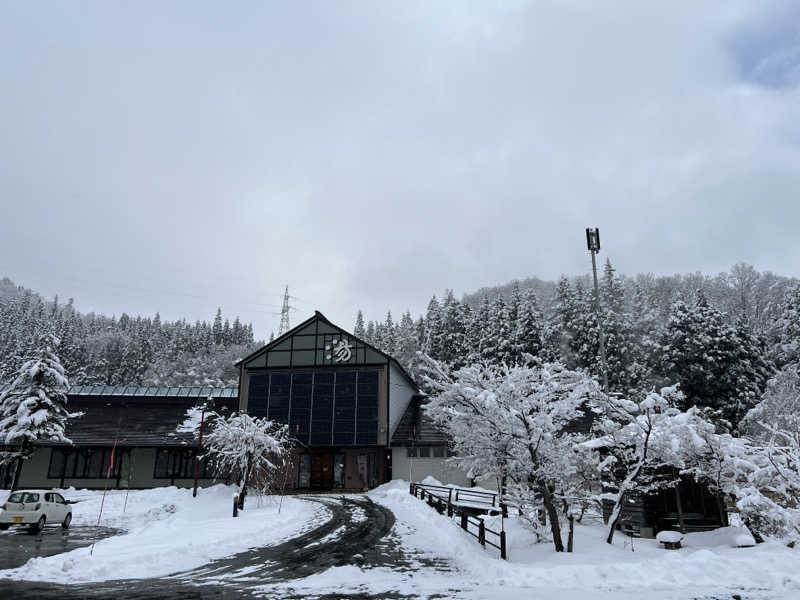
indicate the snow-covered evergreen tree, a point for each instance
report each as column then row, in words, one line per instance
column 717, row 365
column 358, row 330
column 217, row 327
column 478, row 336
column 407, row 345
column 789, row 328
column 529, row 329
column 34, row 408
column 389, row 336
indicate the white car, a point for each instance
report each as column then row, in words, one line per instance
column 35, row 509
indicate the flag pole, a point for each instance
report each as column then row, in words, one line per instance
column 105, row 489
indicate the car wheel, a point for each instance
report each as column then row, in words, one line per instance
column 67, row 521
column 39, row 525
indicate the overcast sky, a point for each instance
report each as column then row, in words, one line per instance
column 174, row 157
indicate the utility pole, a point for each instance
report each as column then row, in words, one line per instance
column 593, row 244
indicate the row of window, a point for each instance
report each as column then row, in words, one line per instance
column 172, row 463
column 86, row 463
column 95, row 463
column 428, row 452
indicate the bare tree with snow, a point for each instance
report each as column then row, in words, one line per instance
column 34, row 407
column 254, row 449
column 514, row 422
column 644, row 446
column 768, row 477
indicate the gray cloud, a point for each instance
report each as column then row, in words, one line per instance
column 178, row 157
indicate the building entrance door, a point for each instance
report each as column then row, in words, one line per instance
column 321, row 471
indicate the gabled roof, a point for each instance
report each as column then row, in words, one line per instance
column 287, row 335
column 304, row 326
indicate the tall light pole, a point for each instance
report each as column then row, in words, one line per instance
column 593, row 244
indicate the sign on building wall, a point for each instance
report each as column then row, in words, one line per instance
column 338, row 350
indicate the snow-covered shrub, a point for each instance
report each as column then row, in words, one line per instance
column 254, row 449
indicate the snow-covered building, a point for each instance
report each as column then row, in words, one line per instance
column 341, row 397
column 138, row 423
column 353, row 411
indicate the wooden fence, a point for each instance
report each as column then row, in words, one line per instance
column 444, row 500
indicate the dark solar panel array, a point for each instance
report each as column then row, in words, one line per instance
column 323, row 408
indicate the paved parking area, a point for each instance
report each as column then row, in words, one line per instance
column 17, row 545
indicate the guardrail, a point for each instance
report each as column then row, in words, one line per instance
column 435, row 496
column 488, row 500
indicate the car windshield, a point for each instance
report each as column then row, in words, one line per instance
column 23, row 497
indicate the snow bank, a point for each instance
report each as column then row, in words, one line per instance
column 625, row 565
column 734, row 537
column 167, row 531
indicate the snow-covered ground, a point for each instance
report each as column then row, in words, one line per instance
column 169, row 531
column 166, row 530
column 703, row 569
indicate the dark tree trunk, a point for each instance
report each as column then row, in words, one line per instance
column 18, row 467
column 571, row 532
column 552, row 514
column 679, row 505
column 243, row 491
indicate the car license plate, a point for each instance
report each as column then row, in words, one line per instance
column 17, row 519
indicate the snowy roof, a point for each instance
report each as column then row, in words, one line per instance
column 152, row 391
column 416, row 428
column 137, row 416
column 133, row 421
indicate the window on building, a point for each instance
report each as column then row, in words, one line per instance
column 411, row 452
column 439, row 452
column 367, row 408
column 344, row 412
column 322, row 408
column 300, row 409
column 257, row 396
column 424, row 452
column 280, row 389
column 83, row 463
column 178, row 463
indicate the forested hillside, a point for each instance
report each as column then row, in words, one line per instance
column 96, row 349
column 721, row 337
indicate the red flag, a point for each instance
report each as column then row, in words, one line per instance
column 111, row 460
